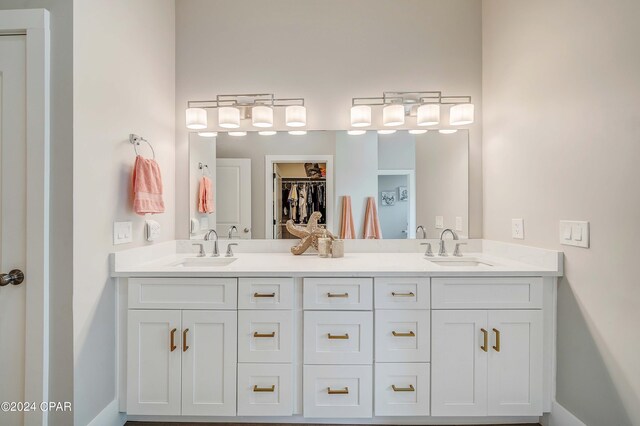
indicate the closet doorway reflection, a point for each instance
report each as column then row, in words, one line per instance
column 299, row 187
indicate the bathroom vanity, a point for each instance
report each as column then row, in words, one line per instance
column 383, row 335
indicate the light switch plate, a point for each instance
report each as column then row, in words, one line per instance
column 458, row 223
column 152, row 230
column 439, row 222
column 122, row 232
column 574, row 233
column 517, row 229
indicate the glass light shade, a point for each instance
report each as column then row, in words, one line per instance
column 208, row 134
column 447, row 131
column 461, row 114
column 386, row 131
column 229, row 117
column 296, row 116
column 262, row 116
column 356, row 132
column 297, row 132
column 196, row 118
column 361, row 116
column 428, row 115
column 267, row 132
column 417, row 131
column 237, row 133
column 393, row 115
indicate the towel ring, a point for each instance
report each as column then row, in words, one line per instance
column 135, row 141
column 204, row 167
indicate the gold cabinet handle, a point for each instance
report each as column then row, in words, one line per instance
column 338, row 295
column 338, row 336
column 409, row 334
column 344, row 391
column 410, row 294
column 258, row 295
column 497, row 345
column 409, row 389
column 172, row 346
column 272, row 334
column 270, row 389
column 485, row 346
column 184, row 340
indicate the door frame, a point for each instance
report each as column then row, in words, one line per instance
column 411, row 183
column 34, row 25
column 268, row 185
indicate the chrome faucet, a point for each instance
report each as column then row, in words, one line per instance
column 424, row 232
column 233, row 228
column 207, row 237
column 229, row 250
column 443, row 251
column 428, row 252
column 201, row 252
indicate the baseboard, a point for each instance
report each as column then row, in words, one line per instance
column 560, row 416
column 109, row 416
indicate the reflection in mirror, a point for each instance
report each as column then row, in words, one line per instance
column 260, row 182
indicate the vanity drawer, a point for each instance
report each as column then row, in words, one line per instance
column 403, row 336
column 486, row 293
column 355, row 294
column 265, row 293
column 402, row 389
column 338, row 337
column 402, row 293
column 265, row 336
column 338, row 391
column 265, row 390
column 183, row 293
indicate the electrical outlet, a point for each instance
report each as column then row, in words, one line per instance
column 458, row 223
column 439, row 222
column 122, row 232
column 517, row 229
column 574, row 233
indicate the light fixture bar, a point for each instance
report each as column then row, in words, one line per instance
column 246, row 100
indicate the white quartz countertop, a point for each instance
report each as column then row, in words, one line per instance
column 266, row 264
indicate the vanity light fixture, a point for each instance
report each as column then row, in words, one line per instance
column 356, row 132
column 237, row 133
column 447, row 131
column 297, row 132
column 417, row 131
column 424, row 106
column 386, row 131
column 208, row 134
column 267, row 132
column 233, row 109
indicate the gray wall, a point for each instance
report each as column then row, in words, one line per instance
column 327, row 51
column 61, row 234
column 393, row 219
column 561, row 93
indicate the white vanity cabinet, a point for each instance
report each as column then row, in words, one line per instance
column 487, row 362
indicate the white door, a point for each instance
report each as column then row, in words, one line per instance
column 233, row 196
column 277, row 203
column 459, row 363
column 153, row 362
column 12, row 221
column 209, row 351
column 515, row 363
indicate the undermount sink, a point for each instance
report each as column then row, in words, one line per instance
column 459, row 262
column 204, row 262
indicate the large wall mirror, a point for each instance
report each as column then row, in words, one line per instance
column 250, row 186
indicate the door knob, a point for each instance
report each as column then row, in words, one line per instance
column 246, row 230
column 14, row 277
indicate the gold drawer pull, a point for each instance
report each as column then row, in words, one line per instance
column 272, row 334
column 410, row 294
column 344, row 391
column 184, row 340
column 485, row 346
column 409, row 334
column 497, row 346
column 257, row 389
column 257, row 295
column 338, row 295
column 173, row 346
column 338, row 336
column 409, row 389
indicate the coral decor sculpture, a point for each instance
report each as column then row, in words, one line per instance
column 308, row 234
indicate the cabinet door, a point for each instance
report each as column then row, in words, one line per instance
column 153, row 362
column 209, row 363
column 459, row 363
column 515, row 363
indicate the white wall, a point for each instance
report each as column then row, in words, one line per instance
column 393, row 219
column 124, row 82
column 327, row 51
column 61, row 233
column 561, row 90
column 201, row 151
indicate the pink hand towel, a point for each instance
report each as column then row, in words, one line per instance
column 147, row 187
column 205, row 196
column 371, row 223
column 347, row 230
